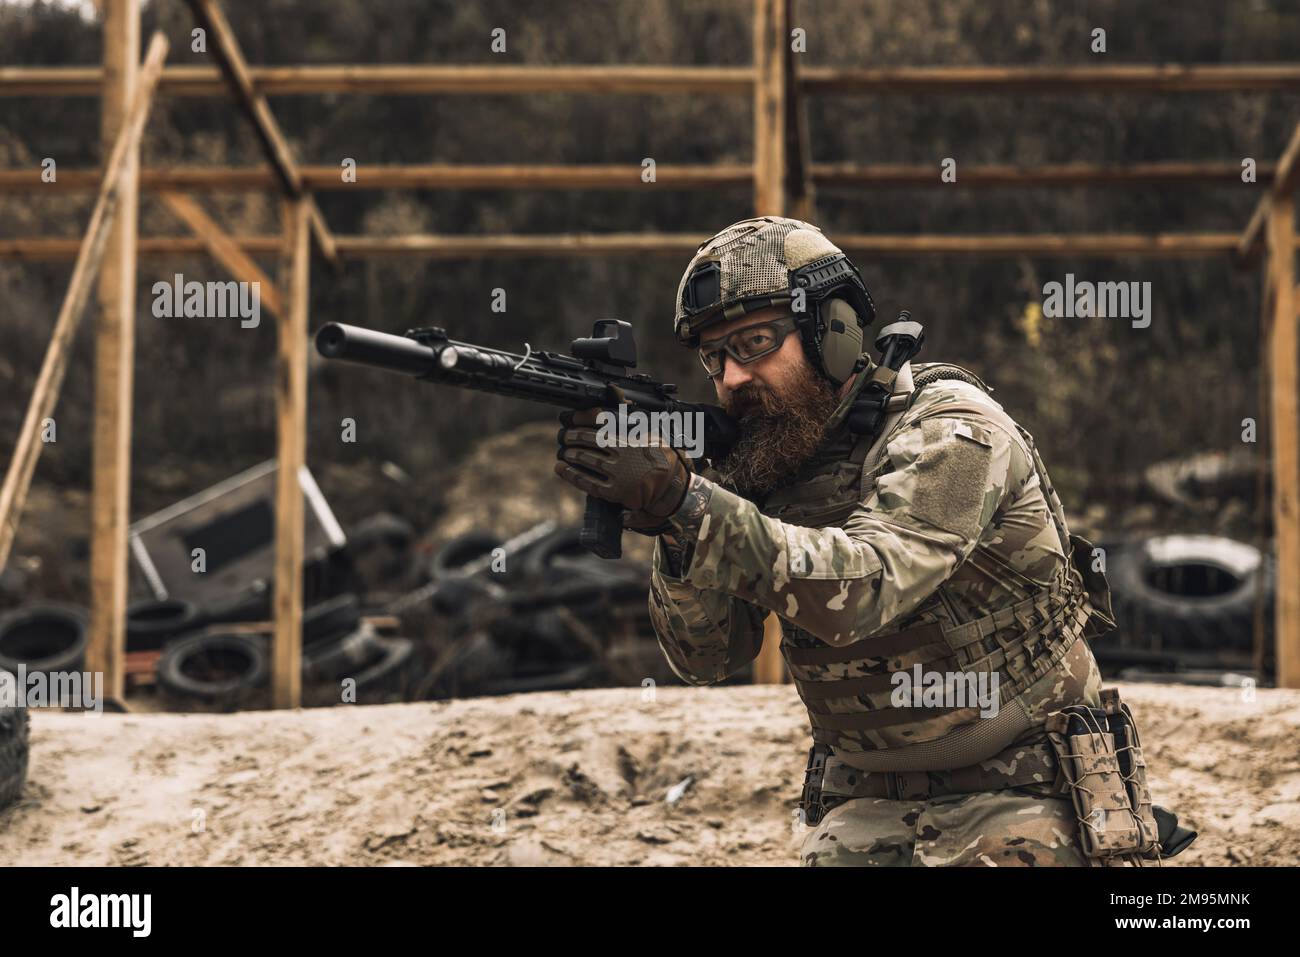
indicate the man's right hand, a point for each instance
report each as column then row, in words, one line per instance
column 649, row 481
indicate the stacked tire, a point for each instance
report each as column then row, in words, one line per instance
column 13, row 754
column 151, row 624
column 219, row 669
column 47, row 638
column 1188, row 592
column 231, row 670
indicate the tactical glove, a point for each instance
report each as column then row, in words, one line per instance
column 648, row 480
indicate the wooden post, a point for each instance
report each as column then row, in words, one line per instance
column 1284, row 379
column 1263, row 475
column 771, row 131
column 800, row 198
column 771, row 41
column 291, row 437
column 89, row 256
column 769, row 666
column 110, row 500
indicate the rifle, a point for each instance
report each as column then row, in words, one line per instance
column 597, row 374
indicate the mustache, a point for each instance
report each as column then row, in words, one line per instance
column 752, row 399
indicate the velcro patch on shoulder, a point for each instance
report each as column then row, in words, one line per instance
column 952, row 476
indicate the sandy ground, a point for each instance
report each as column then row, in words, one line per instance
column 580, row 777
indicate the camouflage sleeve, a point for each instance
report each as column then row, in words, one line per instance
column 706, row 635
column 943, row 479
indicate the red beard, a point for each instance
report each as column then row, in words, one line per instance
column 779, row 432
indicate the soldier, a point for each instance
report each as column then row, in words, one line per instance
column 928, row 549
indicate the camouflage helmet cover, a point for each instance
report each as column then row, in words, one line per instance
column 752, row 261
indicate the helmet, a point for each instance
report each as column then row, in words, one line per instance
column 771, row 260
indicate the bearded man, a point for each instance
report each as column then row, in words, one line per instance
column 922, row 539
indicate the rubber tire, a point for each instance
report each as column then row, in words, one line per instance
column 385, row 669
column 338, row 657
column 452, row 597
column 563, row 543
column 68, row 654
column 152, row 623
column 14, row 747
column 382, row 528
column 1192, row 622
column 461, row 550
column 389, row 671
column 173, row 678
column 329, row 619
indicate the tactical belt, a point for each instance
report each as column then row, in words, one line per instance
column 829, row 782
column 1016, row 766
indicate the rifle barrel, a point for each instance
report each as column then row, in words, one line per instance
column 338, row 340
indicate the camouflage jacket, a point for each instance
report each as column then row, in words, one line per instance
column 952, row 475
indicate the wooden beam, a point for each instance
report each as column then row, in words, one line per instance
column 224, row 249
column 420, row 79
column 110, row 512
column 627, row 176
column 230, row 59
column 1286, row 181
column 562, row 245
column 1157, row 245
column 622, row 176
column 89, row 255
column 1252, row 239
column 291, row 443
column 1118, row 78
column 771, row 38
column 1284, row 380
column 401, row 79
column 1008, row 175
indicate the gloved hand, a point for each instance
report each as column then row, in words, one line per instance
column 649, row 480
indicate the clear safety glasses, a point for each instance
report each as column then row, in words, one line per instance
column 745, row 344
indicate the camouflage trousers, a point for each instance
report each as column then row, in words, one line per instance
column 1016, row 827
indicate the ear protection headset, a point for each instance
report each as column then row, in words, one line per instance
column 837, row 309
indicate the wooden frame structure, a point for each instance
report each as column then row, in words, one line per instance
column 783, row 178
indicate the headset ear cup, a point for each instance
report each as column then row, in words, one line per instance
column 841, row 343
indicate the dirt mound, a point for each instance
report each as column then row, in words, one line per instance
column 610, row 776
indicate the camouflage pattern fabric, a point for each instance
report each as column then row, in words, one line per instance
column 948, row 534
column 929, row 502
column 951, row 524
column 1018, row 827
